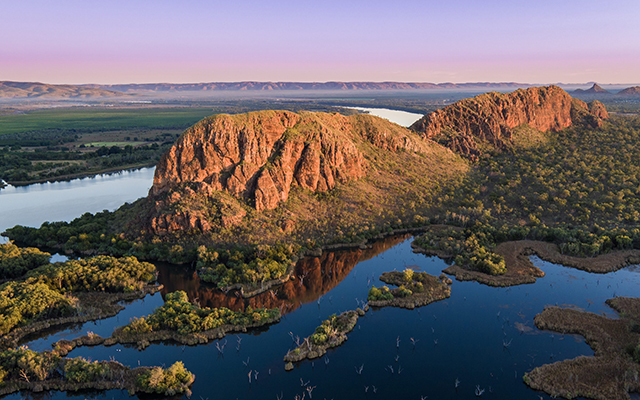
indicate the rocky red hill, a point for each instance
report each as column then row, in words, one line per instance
column 490, row 121
column 227, row 165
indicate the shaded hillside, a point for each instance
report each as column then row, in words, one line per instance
column 630, row 91
column 273, row 173
column 42, row 90
column 499, row 121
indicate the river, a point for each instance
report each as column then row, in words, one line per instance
column 461, row 338
column 32, row 205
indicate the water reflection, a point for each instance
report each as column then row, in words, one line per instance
column 313, row 277
column 63, row 201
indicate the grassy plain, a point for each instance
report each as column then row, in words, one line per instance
column 103, row 119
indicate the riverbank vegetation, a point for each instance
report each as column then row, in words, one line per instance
column 51, row 291
column 24, row 369
column 184, row 322
column 250, row 267
column 180, row 321
column 16, row 261
column 180, row 315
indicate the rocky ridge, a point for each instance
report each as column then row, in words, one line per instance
column 491, row 121
column 229, row 162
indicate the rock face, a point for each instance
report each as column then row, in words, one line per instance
column 259, row 157
column 488, row 121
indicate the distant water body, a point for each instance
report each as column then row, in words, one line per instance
column 401, row 118
column 63, row 201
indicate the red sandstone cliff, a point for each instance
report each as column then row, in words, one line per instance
column 259, row 157
column 488, row 121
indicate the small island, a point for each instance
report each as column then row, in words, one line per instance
column 332, row 333
column 181, row 321
column 415, row 289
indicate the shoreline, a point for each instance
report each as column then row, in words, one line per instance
column 143, row 340
column 520, row 270
column 67, row 178
column 109, row 308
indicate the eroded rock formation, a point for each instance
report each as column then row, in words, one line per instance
column 258, row 158
column 489, row 121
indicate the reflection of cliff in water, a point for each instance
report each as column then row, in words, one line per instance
column 313, row 277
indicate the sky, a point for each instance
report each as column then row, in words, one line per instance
column 140, row 41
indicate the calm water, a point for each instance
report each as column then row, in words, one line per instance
column 402, row 118
column 63, row 201
column 462, row 337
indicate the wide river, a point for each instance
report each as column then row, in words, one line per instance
column 459, row 338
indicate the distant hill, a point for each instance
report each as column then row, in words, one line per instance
column 273, row 86
column 10, row 90
column 595, row 89
column 630, row 91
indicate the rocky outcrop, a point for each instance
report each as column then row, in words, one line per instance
column 226, row 163
column 489, row 121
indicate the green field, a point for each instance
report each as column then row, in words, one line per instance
column 103, row 119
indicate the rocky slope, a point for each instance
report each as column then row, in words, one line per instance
column 490, row 121
column 228, row 165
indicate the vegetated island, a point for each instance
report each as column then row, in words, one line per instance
column 613, row 371
column 415, row 289
column 24, row 369
column 332, row 333
column 65, row 292
column 181, row 321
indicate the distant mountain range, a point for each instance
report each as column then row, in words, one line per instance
column 42, row 90
column 268, row 86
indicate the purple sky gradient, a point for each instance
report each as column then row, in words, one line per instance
column 137, row 41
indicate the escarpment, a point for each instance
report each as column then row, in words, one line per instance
column 226, row 165
column 492, row 121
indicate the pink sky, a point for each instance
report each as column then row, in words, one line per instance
column 422, row 41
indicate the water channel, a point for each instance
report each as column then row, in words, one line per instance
column 459, row 338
